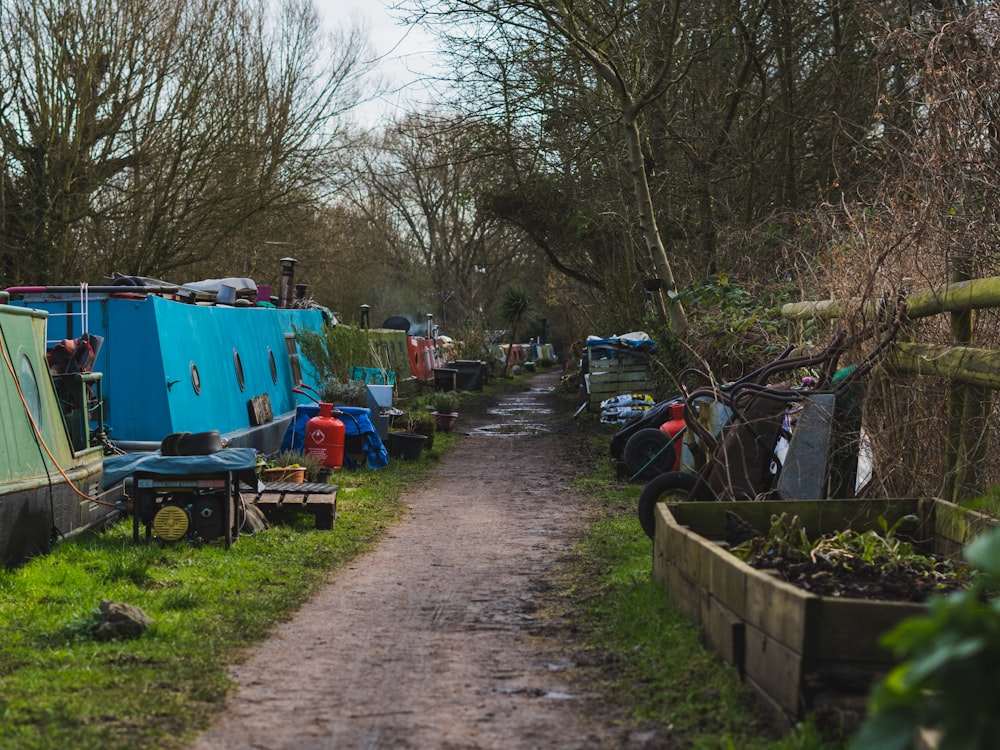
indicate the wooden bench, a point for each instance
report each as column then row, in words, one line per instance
column 303, row 497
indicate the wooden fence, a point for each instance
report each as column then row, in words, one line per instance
column 973, row 373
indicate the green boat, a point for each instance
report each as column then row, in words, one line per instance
column 50, row 474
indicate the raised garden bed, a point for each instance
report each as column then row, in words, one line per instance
column 799, row 650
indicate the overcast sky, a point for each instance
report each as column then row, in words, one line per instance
column 405, row 52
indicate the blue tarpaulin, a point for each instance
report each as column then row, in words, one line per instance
column 357, row 421
column 637, row 340
column 242, row 461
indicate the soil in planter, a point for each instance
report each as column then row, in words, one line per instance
column 858, row 580
column 851, row 577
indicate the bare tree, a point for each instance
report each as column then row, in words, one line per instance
column 631, row 57
column 430, row 174
column 147, row 135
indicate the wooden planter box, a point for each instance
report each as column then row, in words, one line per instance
column 801, row 652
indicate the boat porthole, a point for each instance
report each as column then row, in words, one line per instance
column 195, row 379
column 273, row 365
column 29, row 387
column 238, row 363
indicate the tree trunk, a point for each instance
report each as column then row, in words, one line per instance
column 510, row 350
column 650, row 230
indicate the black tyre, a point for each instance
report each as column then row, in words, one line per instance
column 650, row 445
column 674, row 486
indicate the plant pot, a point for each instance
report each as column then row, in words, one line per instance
column 293, row 474
column 445, row 421
column 406, row 445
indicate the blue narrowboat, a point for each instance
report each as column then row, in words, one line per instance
column 178, row 359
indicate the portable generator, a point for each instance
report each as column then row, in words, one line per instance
column 196, row 508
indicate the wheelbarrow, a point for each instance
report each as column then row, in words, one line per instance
column 797, row 443
column 641, row 449
column 778, row 440
column 661, row 442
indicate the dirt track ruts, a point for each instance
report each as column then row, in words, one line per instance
column 431, row 641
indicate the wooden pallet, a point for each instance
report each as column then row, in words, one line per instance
column 612, row 377
column 303, row 497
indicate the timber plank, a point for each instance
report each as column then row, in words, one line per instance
column 775, row 668
column 779, row 609
column 318, row 499
column 959, row 525
column 683, row 592
column 727, row 580
column 850, row 629
column 724, row 632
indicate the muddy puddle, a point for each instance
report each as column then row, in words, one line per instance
column 517, row 414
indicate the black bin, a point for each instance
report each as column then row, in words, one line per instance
column 471, row 374
column 445, row 379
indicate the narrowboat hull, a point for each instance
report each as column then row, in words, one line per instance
column 49, row 489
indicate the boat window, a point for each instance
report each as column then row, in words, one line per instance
column 29, row 387
column 273, row 365
column 195, row 379
column 238, row 363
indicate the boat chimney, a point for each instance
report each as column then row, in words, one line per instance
column 364, row 316
column 300, row 291
column 430, row 325
column 287, row 279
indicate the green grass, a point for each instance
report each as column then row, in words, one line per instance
column 59, row 687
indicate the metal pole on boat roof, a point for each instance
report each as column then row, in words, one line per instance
column 364, row 316
column 287, row 278
column 84, row 308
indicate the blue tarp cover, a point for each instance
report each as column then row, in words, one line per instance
column 357, row 421
column 243, row 461
column 635, row 340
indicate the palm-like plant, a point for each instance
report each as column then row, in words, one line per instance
column 513, row 305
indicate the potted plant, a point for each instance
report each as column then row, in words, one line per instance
column 416, row 432
column 287, row 466
column 445, row 410
column 419, row 422
column 345, row 392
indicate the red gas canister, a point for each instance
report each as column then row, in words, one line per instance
column 324, row 438
column 674, row 424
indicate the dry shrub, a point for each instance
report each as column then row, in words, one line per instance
column 934, row 218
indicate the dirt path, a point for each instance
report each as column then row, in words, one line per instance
column 430, row 640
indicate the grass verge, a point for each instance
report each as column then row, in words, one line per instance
column 59, row 687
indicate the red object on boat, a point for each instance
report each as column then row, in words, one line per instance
column 324, row 438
